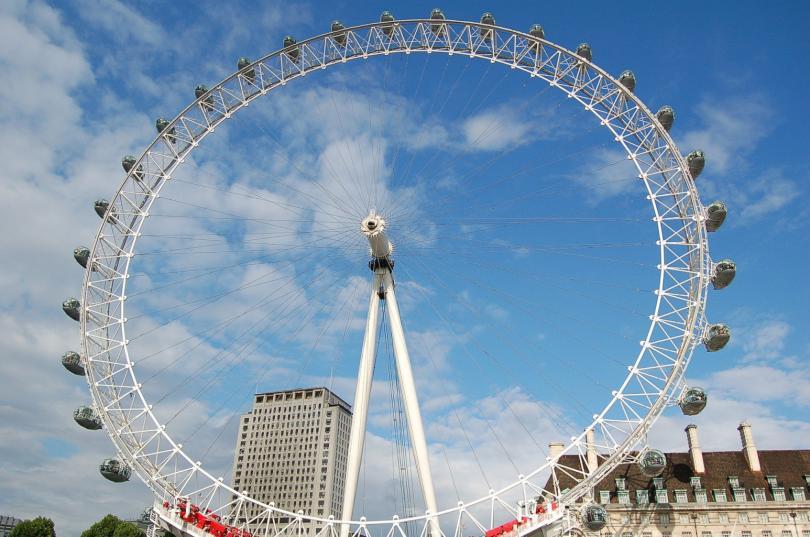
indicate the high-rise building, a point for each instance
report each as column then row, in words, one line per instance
column 8, row 523
column 746, row 493
column 291, row 449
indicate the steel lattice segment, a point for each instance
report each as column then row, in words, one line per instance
column 653, row 381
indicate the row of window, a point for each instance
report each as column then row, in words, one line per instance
column 665, row 519
column 701, row 495
column 724, row 533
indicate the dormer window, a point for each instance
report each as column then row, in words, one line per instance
column 642, row 497
column 771, row 481
column 700, row 495
column 739, row 494
column 733, row 481
column 798, row 493
column 719, row 495
column 807, row 479
column 658, row 482
column 620, row 483
column 759, row 495
column 695, row 482
column 604, row 497
column 778, row 494
column 680, row 496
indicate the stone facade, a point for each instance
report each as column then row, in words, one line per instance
column 746, row 493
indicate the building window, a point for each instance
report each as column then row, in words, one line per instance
column 783, row 518
column 704, row 518
column 625, row 519
column 604, row 496
column 766, row 533
column 642, row 496
column 705, row 534
column 733, row 481
column 683, row 518
column 739, row 495
column 771, row 479
column 719, row 495
column 723, row 518
column 763, row 518
column 695, row 482
column 686, row 534
column 725, row 533
column 662, row 497
column 745, row 533
column 624, row 497
column 658, row 482
column 787, row 533
column 797, row 493
column 759, row 495
column 680, row 496
column 778, row 494
column 700, row 495
column 742, row 518
column 620, row 483
column 663, row 518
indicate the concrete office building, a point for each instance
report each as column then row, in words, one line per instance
column 291, row 449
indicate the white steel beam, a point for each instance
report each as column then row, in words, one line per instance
column 411, row 402
column 362, row 395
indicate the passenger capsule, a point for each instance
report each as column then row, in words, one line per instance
column 208, row 102
column 693, row 401
column 128, row 162
column 666, row 117
column 294, row 52
column 87, row 418
column 489, row 20
column 340, row 38
column 628, row 80
column 161, row 124
column 696, row 160
column 115, row 470
column 715, row 215
column 652, row 462
column 101, row 207
column 388, row 29
column 724, row 272
column 437, row 15
column 584, row 51
column 537, row 31
column 81, row 254
column 73, row 363
column 246, row 70
column 72, row 308
column 717, row 336
column 594, row 516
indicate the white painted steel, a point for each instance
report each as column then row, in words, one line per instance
column 411, row 403
column 362, row 396
column 654, row 377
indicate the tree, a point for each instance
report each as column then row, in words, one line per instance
column 128, row 529
column 103, row 528
column 112, row 526
column 39, row 527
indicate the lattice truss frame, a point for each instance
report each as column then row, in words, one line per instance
column 618, row 432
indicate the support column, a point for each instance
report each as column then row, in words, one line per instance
column 411, row 402
column 362, row 395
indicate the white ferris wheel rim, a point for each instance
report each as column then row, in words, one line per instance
column 161, row 463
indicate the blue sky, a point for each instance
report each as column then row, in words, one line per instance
column 549, row 332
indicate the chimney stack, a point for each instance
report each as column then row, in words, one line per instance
column 590, row 440
column 694, row 449
column 554, row 449
column 749, row 449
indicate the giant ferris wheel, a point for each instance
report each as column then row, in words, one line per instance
column 332, row 251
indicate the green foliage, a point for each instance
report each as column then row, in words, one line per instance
column 39, row 527
column 112, row 526
column 128, row 529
